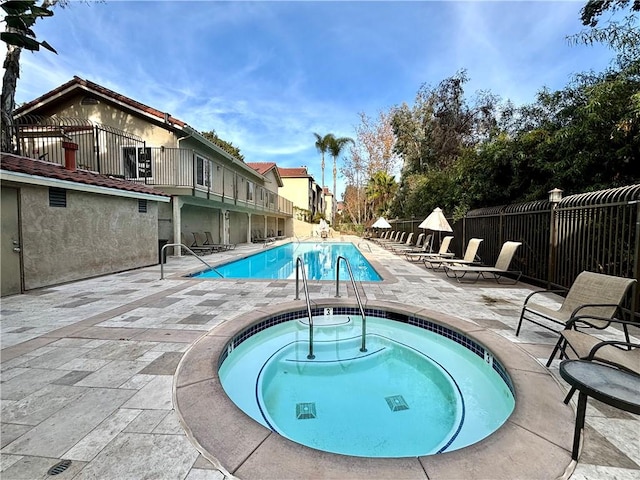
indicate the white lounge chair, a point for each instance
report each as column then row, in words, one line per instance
column 442, row 252
column 500, row 269
column 409, row 248
column 469, row 257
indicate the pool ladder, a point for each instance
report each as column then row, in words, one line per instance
column 363, row 347
column 300, row 268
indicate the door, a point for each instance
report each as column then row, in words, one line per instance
column 10, row 278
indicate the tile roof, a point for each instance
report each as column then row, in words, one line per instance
column 293, row 172
column 262, row 167
column 87, row 85
column 30, row 166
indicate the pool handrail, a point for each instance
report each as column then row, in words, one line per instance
column 363, row 347
column 300, row 267
column 162, row 257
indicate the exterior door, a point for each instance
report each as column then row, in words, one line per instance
column 10, row 257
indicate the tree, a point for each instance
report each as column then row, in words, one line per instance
column 21, row 16
column 228, row 147
column 322, row 144
column 380, row 190
column 336, row 145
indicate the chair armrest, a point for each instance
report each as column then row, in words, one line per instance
column 582, row 318
column 615, row 343
column 541, row 291
column 588, row 305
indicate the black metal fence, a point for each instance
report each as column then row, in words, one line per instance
column 596, row 231
column 100, row 147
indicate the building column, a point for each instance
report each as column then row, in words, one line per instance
column 225, row 226
column 176, row 203
column 249, row 229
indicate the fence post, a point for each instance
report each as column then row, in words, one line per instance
column 555, row 196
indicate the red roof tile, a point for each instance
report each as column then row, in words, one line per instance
column 293, row 172
column 30, row 166
column 262, row 167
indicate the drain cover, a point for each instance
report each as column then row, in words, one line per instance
column 396, row 403
column 59, row 467
column 305, row 410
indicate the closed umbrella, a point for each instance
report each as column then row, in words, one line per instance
column 381, row 223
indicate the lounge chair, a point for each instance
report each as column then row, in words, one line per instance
column 409, row 247
column 399, row 240
column 199, row 242
column 194, row 248
column 500, row 269
column 256, row 236
column 591, row 294
column 619, row 353
column 469, row 257
column 219, row 246
column 442, row 252
column 407, row 244
column 392, row 237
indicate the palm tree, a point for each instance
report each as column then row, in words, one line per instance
column 336, row 145
column 322, row 144
column 380, row 190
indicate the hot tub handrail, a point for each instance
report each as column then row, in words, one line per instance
column 363, row 347
column 188, row 250
column 300, row 267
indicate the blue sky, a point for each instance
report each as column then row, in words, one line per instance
column 266, row 75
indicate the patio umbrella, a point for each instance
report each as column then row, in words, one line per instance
column 381, row 223
column 436, row 222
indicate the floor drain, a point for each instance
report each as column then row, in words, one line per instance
column 396, row 403
column 305, row 410
column 59, row 467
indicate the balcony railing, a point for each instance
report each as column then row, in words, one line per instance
column 109, row 151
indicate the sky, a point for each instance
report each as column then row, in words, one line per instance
column 266, row 75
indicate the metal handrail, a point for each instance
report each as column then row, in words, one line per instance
column 363, row 347
column 188, row 250
column 300, row 267
column 365, row 244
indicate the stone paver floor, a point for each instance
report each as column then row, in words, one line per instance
column 87, row 367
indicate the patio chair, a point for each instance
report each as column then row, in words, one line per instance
column 256, row 237
column 407, row 244
column 409, row 247
column 398, row 241
column 498, row 271
column 442, row 252
column 469, row 256
column 200, row 243
column 591, row 294
column 195, row 249
column 220, row 246
column 620, row 353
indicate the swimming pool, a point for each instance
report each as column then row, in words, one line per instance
column 319, row 259
column 419, row 389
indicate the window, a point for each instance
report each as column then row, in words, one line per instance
column 142, row 206
column 250, row 191
column 57, row 197
column 137, row 162
column 202, row 171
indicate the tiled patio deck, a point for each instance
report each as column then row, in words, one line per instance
column 88, row 367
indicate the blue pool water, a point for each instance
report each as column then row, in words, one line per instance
column 413, row 392
column 319, row 260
